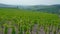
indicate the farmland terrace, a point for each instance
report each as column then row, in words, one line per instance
column 17, row 21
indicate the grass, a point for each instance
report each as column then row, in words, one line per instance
column 24, row 20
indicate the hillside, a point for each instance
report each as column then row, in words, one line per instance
column 7, row 6
column 18, row 21
column 42, row 8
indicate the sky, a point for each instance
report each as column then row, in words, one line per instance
column 30, row 2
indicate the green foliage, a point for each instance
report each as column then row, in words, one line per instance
column 6, row 30
column 24, row 20
column 13, row 30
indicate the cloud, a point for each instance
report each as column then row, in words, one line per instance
column 30, row 2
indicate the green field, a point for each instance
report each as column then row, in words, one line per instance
column 25, row 21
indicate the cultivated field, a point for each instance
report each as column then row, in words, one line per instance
column 16, row 21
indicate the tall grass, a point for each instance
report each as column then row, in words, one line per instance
column 25, row 20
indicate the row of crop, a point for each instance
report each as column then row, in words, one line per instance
column 26, row 26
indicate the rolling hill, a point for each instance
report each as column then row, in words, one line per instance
column 41, row 8
column 7, row 6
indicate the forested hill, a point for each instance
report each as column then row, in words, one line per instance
column 43, row 8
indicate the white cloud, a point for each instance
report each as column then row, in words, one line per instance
column 30, row 2
column 9, row 1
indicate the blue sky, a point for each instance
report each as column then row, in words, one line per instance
column 30, row 2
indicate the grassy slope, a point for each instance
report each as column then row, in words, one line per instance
column 25, row 19
column 16, row 14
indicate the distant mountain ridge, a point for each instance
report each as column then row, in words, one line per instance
column 44, row 8
column 7, row 6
